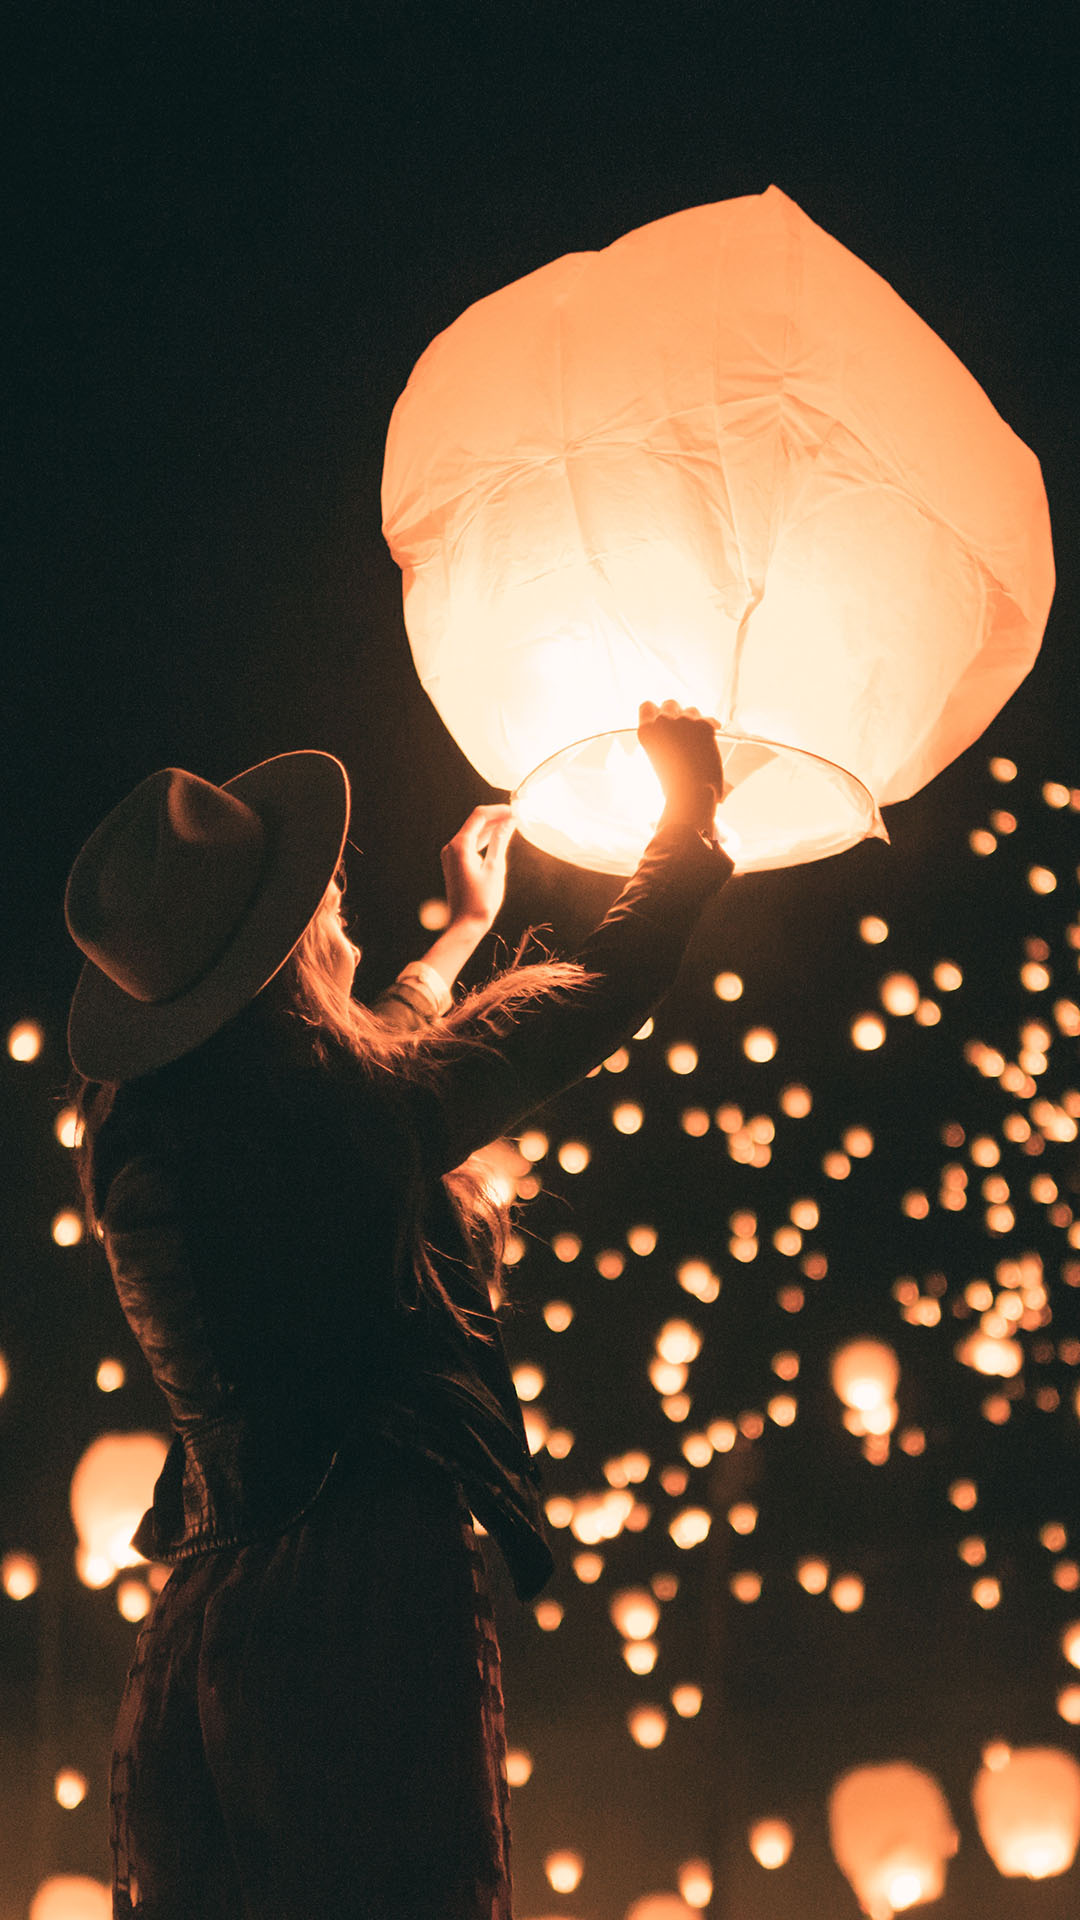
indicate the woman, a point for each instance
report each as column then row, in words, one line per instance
column 312, row 1724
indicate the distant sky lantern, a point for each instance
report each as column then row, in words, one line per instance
column 891, row 1834
column 721, row 461
column 865, row 1374
column 111, row 1488
column 71, row 1896
column 1028, row 1812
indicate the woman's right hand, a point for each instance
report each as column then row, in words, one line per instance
column 683, row 750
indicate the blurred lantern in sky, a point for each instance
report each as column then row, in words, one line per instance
column 111, row 1488
column 1027, row 1804
column 891, row 1834
column 720, row 461
column 71, row 1896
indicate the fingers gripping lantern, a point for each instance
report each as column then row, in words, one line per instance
column 720, row 461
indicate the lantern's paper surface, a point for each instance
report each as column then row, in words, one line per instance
column 721, row 462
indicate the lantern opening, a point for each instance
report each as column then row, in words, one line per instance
column 597, row 803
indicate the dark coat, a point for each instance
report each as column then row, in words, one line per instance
column 256, row 1248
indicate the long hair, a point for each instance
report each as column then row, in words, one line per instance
column 303, row 1021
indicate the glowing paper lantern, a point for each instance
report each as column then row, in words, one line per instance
column 111, row 1488
column 1028, row 1812
column 721, row 461
column 71, row 1896
column 891, row 1834
column 865, row 1375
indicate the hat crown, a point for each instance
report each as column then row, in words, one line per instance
column 161, row 886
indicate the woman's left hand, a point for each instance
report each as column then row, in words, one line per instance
column 474, row 867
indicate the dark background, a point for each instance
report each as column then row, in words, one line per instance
column 230, row 232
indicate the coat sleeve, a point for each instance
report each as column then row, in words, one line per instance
column 495, row 1080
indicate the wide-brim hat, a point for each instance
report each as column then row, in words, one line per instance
column 189, row 898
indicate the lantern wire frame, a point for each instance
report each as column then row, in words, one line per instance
column 597, row 802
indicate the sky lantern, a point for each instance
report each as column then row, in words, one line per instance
column 111, row 1488
column 865, row 1374
column 71, row 1896
column 891, row 1834
column 719, row 461
column 1028, row 1811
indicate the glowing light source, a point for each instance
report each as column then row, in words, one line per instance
column 864, row 1374
column 67, row 1228
column 519, row 1766
column 634, row 1613
column 867, row 1033
column 892, row 1835
column 25, row 1040
column 770, row 1842
column 1028, row 1812
column 69, row 1788
column 728, row 986
column 71, row 1896
column 111, row 1488
column 899, row 993
column 564, row 1870
column 612, row 469
column 690, row 1527
column 648, row 1726
column 759, row 1044
column 20, row 1575
column 696, row 1883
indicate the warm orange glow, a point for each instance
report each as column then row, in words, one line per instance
column 641, row 1240
column 533, row 1145
column 873, row 929
column 519, row 1766
column 111, row 1488
column 25, row 1040
column 690, row 1527
column 678, row 1342
column 110, row 1376
column 813, row 1575
column 69, row 1788
column 19, row 1575
column 433, row 915
column 564, row 1870
column 611, row 468
column 1028, row 1812
column 573, row 1156
column 1068, row 1705
column 634, row 1613
column 847, row 1593
column 133, row 1599
column 986, row 1593
column 728, row 986
column 528, row 1381
column 759, row 1044
column 686, row 1701
column 67, row 1228
column 865, row 1374
column 548, row 1615
column 899, row 993
column 71, row 1896
column 892, row 1835
column 796, row 1102
column 770, row 1842
column 682, row 1057
column 964, row 1495
column 868, row 1033
column 742, row 1517
column 696, row 1883
column 648, row 1726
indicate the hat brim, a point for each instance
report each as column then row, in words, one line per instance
column 302, row 800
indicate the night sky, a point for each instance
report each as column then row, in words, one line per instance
column 232, row 230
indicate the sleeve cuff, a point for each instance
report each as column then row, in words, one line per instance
column 419, row 974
